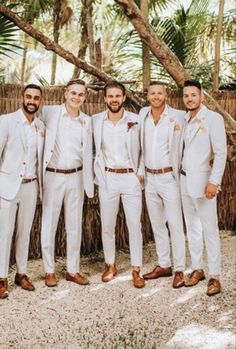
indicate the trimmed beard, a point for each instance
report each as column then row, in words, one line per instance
column 119, row 107
column 25, row 107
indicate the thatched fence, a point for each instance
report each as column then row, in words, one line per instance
column 10, row 100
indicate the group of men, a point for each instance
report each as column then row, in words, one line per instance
column 177, row 157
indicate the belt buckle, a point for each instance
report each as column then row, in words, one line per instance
column 162, row 170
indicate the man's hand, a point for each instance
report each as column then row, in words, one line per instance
column 211, row 190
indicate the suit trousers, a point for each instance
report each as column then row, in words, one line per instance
column 163, row 201
column 201, row 221
column 127, row 187
column 17, row 213
column 61, row 189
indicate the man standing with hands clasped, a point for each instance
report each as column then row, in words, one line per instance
column 161, row 128
column 67, row 173
column 116, row 135
column 203, row 151
column 21, row 149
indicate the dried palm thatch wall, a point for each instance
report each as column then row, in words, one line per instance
column 10, row 96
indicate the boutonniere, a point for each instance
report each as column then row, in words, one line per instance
column 131, row 124
column 42, row 133
column 171, row 119
column 198, row 119
column 82, row 121
column 201, row 129
column 177, row 127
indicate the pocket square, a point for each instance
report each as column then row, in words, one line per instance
column 201, row 130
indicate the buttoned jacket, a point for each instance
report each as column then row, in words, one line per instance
column 51, row 115
column 132, row 142
column 206, row 151
column 175, row 122
column 13, row 153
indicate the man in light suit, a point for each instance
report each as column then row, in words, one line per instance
column 67, row 171
column 203, row 152
column 21, row 148
column 116, row 135
column 161, row 128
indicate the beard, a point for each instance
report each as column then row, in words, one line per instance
column 29, row 111
column 115, row 108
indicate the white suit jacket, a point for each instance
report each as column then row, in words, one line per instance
column 207, row 152
column 51, row 115
column 13, row 153
column 132, row 141
column 176, row 122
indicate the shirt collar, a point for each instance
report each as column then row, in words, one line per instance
column 65, row 113
column 124, row 117
column 187, row 116
column 165, row 112
column 24, row 119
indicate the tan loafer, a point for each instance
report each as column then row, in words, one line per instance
column 138, row 281
column 50, row 280
column 3, row 288
column 77, row 278
column 109, row 273
column 213, row 287
column 178, row 280
column 158, row 272
column 194, row 278
column 23, row 281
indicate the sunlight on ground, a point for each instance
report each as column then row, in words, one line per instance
column 57, row 295
column 150, row 292
column 202, row 337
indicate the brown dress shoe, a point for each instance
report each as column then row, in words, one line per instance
column 138, row 281
column 3, row 288
column 50, row 280
column 158, row 272
column 213, row 287
column 109, row 272
column 23, row 281
column 178, row 280
column 77, row 278
column 194, row 278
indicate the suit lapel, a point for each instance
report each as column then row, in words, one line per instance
column 100, row 130
column 171, row 128
column 22, row 131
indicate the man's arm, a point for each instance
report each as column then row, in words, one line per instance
column 3, row 133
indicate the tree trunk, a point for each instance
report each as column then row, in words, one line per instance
column 145, row 50
column 24, row 59
column 89, row 21
column 56, row 35
column 217, row 46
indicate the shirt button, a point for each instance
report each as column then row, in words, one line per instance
column 24, row 163
column 21, row 175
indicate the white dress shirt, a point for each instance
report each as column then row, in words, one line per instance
column 156, row 141
column 31, row 144
column 114, row 143
column 68, row 149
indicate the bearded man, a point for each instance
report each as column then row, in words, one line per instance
column 21, row 147
column 117, row 141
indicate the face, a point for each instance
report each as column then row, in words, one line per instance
column 156, row 96
column 114, row 99
column 192, row 98
column 31, row 100
column 75, row 96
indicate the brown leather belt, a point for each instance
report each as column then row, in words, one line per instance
column 183, row 172
column 159, row 170
column 28, row 180
column 56, row 170
column 119, row 170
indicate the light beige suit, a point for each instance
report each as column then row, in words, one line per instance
column 64, row 188
column 13, row 194
column 205, row 158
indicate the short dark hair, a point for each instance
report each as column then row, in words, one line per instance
column 36, row 87
column 114, row 84
column 195, row 83
column 76, row 82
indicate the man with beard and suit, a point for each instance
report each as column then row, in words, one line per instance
column 161, row 128
column 21, row 148
column 67, row 171
column 117, row 141
column 203, row 151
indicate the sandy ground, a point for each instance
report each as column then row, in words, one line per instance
column 116, row 315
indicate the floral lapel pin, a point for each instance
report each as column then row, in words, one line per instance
column 177, row 127
column 198, row 119
column 131, row 124
column 42, row 133
column 171, row 119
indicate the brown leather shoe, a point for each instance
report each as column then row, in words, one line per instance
column 138, row 281
column 178, row 280
column 77, row 278
column 213, row 287
column 3, row 288
column 194, row 278
column 158, row 272
column 23, row 281
column 109, row 272
column 50, row 280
